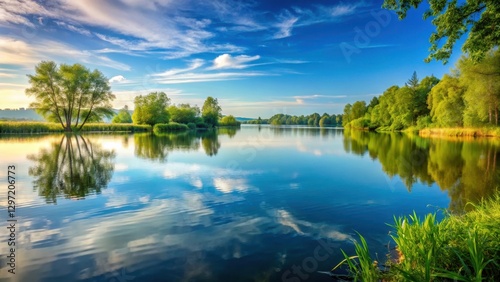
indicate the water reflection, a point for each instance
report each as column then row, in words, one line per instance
column 73, row 167
column 466, row 169
column 157, row 147
column 210, row 142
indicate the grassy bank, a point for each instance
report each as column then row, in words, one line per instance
column 461, row 132
column 458, row 248
column 14, row 127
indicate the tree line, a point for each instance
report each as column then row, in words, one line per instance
column 467, row 97
column 315, row 119
column 73, row 95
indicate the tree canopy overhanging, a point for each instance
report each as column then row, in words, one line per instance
column 479, row 18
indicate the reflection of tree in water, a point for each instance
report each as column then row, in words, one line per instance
column 468, row 170
column 157, row 147
column 229, row 131
column 210, row 142
column 73, row 167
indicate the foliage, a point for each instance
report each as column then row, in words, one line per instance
column 481, row 82
column 123, row 116
column 151, row 109
column 169, row 127
column 211, row 111
column 310, row 120
column 470, row 97
column 183, row 113
column 446, row 102
column 453, row 19
column 461, row 247
column 229, row 121
column 70, row 94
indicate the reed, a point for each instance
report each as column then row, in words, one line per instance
column 459, row 247
column 30, row 127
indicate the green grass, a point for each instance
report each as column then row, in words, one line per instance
column 30, row 127
column 458, row 248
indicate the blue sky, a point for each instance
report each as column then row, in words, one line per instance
column 258, row 58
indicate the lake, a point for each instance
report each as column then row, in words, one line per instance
column 253, row 204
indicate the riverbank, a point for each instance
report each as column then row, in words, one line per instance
column 461, row 247
column 460, row 132
column 33, row 127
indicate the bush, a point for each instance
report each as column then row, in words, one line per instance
column 191, row 125
column 169, row 127
column 229, row 121
column 202, row 125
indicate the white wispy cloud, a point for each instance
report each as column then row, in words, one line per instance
column 22, row 53
column 226, row 61
column 205, row 77
column 285, row 25
column 299, row 17
column 73, row 28
column 193, row 72
column 194, row 64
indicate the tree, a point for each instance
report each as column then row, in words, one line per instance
column 358, row 110
column 229, row 121
column 453, row 19
column 123, row 116
column 346, row 118
column 482, row 97
column 413, row 81
column 183, row 113
column 70, row 94
column 151, row 109
column 325, row 121
column 211, row 111
column 446, row 102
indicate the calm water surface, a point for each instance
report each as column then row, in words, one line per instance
column 256, row 204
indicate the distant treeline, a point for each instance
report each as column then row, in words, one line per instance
column 315, row 119
column 468, row 97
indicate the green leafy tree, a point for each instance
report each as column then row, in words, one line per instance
column 151, row 109
column 346, row 118
column 453, row 19
column 183, row 113
column 482, row 97
column 325, row 121
column 446, row 102
column 123, row 116
column 358, row 110
column 70, row 94
column 211, row 111
column 229, row 121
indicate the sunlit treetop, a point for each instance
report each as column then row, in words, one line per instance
column 453, row 19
